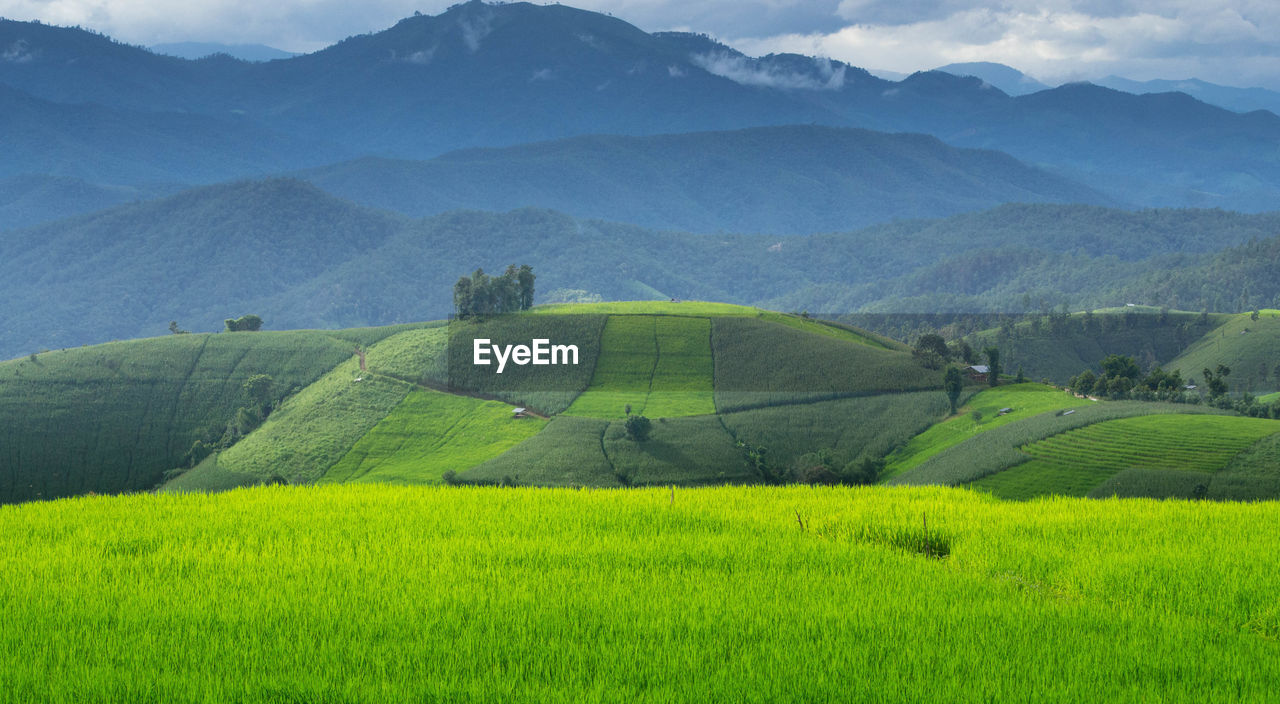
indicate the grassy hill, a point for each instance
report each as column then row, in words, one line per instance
column 1251, row 348
column 979, row 414
column 735, row 395
column 420, row 409
column 642, row 595
column 115, row 417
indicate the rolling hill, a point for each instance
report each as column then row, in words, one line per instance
column 708, row 375
column 733, row 394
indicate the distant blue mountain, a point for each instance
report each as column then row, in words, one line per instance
column 482, row 75
column 1006, row 78
column 199, row 50
column 1229, row 97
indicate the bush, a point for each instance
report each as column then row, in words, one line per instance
column 638, row 427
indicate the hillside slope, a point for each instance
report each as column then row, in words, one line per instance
column 781, row 180
column 115, row 417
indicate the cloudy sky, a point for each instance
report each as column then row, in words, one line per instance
column 1236, row 42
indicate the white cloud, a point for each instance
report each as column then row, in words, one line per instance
column 1232, row 45
column 825, row 76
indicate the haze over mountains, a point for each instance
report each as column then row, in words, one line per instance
column 301, row 258
column 713, row 159
column 493, row 75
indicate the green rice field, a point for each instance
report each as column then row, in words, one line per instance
column 431, row 433
column 1077, row 461
column 375, row 593
column 1026, row 400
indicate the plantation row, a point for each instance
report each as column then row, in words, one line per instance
column 656, row 366
column 115, row 417
column 1077, row 462
column 712, row 449
column 978, row 414
column 998, row 449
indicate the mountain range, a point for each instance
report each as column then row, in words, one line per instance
column 483, row 76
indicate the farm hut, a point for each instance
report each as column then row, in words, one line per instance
column 978, row 372
column 1005, row 411
column 519, row 413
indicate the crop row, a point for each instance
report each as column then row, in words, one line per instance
column 997, row 449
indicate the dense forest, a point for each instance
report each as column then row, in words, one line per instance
column 302, row 258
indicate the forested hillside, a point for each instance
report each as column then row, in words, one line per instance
column 781, row 180
column 286, row 251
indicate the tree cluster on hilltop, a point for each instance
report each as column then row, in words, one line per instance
column 481, row 294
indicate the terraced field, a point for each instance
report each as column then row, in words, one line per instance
column 660, row 366
column 1270, row 398
column 1026, row 400
column 431, row 433
column 1077, row 461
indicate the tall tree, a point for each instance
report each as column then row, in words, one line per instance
column 993, row 365
column 526, row 277
column 463, row 306
column 953, row 383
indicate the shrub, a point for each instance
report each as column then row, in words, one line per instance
column 638, row 428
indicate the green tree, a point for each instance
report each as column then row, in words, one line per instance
column 638, row 428
column 1083, row 383
column 1216, row 381
column 933, row 342
column 1116, row 365
column 993, row 363
column 246, row 323
column 526, row 277
column 864, row 471
column 953, row 384
column 463, row 305
column 258, row 389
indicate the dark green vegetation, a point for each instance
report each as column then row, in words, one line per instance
column 829, row 179
column 759, row 363
column 481, row 294
column 1059, row 346
column 300, row 258
column 637, row 596
column 116, row 417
